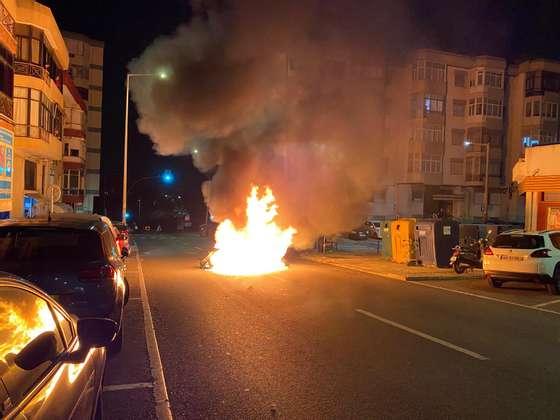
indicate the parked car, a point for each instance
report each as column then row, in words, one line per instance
column 359, row 234
column 76, row 261
column 122, row 236
column 51, row 363
column 524, row 256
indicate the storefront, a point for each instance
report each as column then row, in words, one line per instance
column 6, row 156
column 538, row 178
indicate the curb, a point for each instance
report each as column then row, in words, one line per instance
column 400, row 277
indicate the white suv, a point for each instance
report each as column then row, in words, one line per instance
column 524, row 256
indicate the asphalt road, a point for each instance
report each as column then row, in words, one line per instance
column 319, row 342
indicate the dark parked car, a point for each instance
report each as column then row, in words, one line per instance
column 76, row 261
column 359, row 234
column 122, row 236
column 51, row 364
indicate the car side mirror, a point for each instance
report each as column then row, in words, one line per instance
column 124, row 252
column 96, row 332
column 40, row 350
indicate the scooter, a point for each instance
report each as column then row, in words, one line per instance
column 468, row 256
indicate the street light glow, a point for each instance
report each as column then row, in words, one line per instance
column 168, row 177
column 467, row 143
column 162, row 75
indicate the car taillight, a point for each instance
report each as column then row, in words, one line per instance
column 540, row 253
column 488, row 251
column 98, row 274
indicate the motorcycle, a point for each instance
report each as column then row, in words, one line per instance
column 468, row 256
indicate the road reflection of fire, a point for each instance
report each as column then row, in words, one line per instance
column 258, row 247
column 19, row 325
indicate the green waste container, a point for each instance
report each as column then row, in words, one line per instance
column 386, row 250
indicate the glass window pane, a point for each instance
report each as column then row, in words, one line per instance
column 35, row 51
column 23, row 317
column 35, row 94
column 34, row 113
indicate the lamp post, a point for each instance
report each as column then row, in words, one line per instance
column 161, row 75
column 486, row 174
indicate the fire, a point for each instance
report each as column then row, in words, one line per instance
column 257, row 248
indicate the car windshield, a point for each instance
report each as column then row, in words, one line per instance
column 49, row 244
column 519, row 241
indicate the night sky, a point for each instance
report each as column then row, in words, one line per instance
column 512, row 29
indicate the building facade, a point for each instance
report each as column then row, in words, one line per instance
column 8, row 47
column 86, row 70
column 443, row 111
column 74, row 146
column 40, row 61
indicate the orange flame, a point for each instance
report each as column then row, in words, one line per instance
column 257, row 248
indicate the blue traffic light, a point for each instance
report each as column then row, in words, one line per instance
column 127, row 215
column 167, row 177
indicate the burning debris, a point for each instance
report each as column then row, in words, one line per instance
column 258, row 247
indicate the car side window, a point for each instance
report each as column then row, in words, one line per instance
column 555, row 239
column 65, row 327
column 24, row 316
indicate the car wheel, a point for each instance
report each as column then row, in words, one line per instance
column 99, row 406
column 494, row 283
column 126, row 291
column 459, row 269
column 116, row 346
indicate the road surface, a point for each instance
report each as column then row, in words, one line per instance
column 319, row 342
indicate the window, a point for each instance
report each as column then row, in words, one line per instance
column 555, row 239
column 84, row 93
column 71, row 181
column 431, row 163
column 66, row 149
column 460, row 78
column 528, row 109
column 414, row 106
column 457, row 166
column 65, row 326
column 6, row 73
column 495, row 167
column 25, row 317
column 457, row 137
column 74, row 152
column 536, row 108
column 538, row 82
column 417, row 192
column 426, row 70
column 30, row 176
column 33, row 48
column 550, row 110
column 459, row 108
column 433, row 103
column 486, row 106
column 35, row 115
column 493, row 79
column 414, row 163
column 29, row 245
column 518, row 241
column 432, row 135
column 479, row 77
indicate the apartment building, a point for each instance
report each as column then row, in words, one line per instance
column 86, row 70
column 7, row 51
column 41, row 59
column 533, row 120
column 443, row 109
column 74, row 148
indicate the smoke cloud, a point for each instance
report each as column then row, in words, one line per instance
column 288, row 94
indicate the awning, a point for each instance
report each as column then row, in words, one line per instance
column 549, row 183
column 35, row 195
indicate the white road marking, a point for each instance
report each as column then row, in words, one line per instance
column 134, row 298
column 552, row 302
column 424, row 335
column 163, row 408
column 276, row 277
column 124, row 387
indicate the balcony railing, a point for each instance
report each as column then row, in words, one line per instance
column 73, row 191
column 7, row 20
column 6, row 105
column 33, row 70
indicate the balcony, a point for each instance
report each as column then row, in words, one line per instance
column 7, row 20
column 29, row 69
column 6, row 105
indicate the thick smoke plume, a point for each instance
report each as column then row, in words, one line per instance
column 281, row 93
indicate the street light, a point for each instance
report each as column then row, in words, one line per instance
column 162, row 75
column 468, row 143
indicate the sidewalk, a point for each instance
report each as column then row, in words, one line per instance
column 381, row 266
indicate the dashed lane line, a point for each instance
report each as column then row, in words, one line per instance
column 429, row 337
column 126, row 387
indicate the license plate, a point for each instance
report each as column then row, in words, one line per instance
column 511, row 258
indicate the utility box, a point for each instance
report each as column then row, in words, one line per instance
column 434, row 241
column 402, row 240
column 386, row 243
